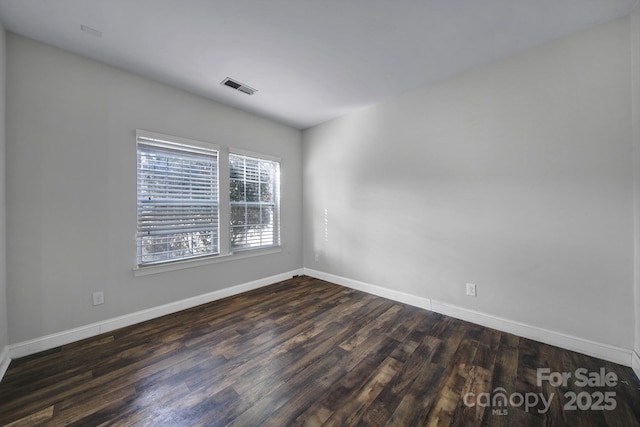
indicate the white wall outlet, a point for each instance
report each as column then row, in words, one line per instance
column 98, row 298
column 471, row 289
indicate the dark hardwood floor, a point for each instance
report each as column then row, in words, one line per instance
column 307, row 352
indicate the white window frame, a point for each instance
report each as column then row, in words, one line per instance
column 224, row 228
column 277, row 211
column 189, row 147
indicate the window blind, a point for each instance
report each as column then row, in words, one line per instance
column 177, row 201
column 254, row 201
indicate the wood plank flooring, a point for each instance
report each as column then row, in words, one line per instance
column 305, row 352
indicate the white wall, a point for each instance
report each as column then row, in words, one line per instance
column 516, row 177
column 4, row 338
column 635, row 92
column 71, row 188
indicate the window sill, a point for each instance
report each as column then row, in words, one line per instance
column 197, row 262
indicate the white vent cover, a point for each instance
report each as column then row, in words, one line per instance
column 234, row 84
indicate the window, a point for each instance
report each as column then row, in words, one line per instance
column 177, row 199
column 254, row 188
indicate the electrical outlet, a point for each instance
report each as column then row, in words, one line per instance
column 471, row 289
column 98, row 298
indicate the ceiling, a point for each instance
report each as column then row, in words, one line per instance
column 310, row 60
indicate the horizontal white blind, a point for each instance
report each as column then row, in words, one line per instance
column 177, row 201
column 255, row 202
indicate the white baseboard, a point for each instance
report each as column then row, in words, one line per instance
column 371, row 289
column 4, row 361
column 635, row 363
column 47, row 342
column 591, row 348
column 558, row 339
column 581, row 345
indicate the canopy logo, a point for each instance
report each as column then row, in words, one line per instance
column 500, row 401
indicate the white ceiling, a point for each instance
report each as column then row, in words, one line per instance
column 311, row 60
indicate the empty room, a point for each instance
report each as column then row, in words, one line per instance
column 320, row 213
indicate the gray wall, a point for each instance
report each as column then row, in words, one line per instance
column 516, row 177
column 4, row 338
column 71, row 188
column 635, row 75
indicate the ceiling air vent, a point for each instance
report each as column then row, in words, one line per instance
column 234, row 84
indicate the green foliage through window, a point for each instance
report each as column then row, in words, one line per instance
column 177, row 201
column 254, row 202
